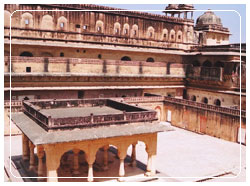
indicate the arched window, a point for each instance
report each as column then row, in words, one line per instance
column 125, row 58
column 126, row 29
column 134, row 31
column 150, row 32
column 27, row 54
column 62, row 23
column 179, row 36
column 99, row 26
column 117, row 28
column 172, row 35
column 207, row 64
column 219, row 64
column 193, row 98
column 217, row 102
column 150, row 59
column 205, row 100
column 27, row 20
column 196, row 63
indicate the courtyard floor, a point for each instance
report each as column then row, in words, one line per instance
column 181, row 156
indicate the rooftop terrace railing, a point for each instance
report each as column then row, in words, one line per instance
column 130, row 113
column 204, row 106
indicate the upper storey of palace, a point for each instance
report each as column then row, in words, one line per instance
column 96, row 25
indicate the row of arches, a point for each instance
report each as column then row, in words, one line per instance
column 207, row 63
column 48, row 23
column 217, row 102
column 84, row 156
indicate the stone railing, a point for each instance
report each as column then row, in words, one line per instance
column 16, row 106
column 204, row 106
column 93, row 38
column 50, row 104
column 130, row 113
column 141, row 99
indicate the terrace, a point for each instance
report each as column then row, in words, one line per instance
column 65, row 114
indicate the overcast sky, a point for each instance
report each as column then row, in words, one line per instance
column 230, row 19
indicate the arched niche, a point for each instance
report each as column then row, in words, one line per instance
column 179, row 36
column 172, row 35
column 164, row 36
column 117, row 28
column 150, row 32
column 135, row 31
column 27, row 20
column 99, row 27
column 47, row 23
column 126, row 29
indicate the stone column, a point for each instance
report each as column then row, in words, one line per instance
column 133, row 155
column 105, row 157
column 26, row 150
column 90, row 157
column 40, row 155
column 151, row 165
column 151, row 148
column 32, row 156
column 76, row 161
column 52, row 162
column 122, row 152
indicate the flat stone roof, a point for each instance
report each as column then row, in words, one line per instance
column 40, row 136
column 79, row 111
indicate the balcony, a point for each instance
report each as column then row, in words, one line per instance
column 205, row 73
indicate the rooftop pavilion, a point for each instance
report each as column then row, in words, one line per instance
column 56, row 127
